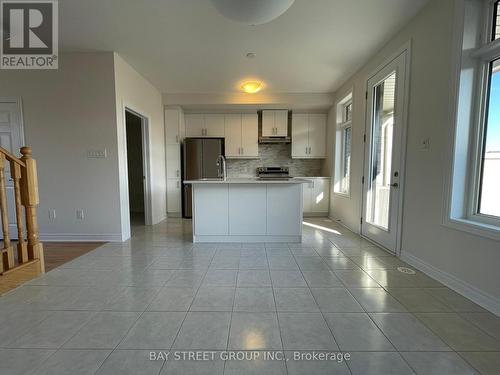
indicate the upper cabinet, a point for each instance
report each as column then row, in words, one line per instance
column 241, row 133
column 174, row 125
column 275, row 123
column 204, row 125
column 309, row 135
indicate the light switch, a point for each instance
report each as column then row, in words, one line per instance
column 425, row 144
column 97, row 153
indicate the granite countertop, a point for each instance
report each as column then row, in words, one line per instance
column 254, row 180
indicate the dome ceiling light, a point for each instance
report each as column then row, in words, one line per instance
column 252, row 12
column 252, row 87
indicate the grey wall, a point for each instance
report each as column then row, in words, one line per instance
column 67, row 112
column 275, row 155
column 467, row 262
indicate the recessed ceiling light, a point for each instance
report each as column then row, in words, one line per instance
column 251, row 55
column 252, row 87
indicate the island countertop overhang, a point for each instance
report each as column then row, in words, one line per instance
column 247, row 181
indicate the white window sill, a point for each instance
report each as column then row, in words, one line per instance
column 474, row 227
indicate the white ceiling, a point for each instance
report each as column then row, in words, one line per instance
column 186, row 46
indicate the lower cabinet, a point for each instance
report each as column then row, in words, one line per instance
column 174, row 190
column 316, row 196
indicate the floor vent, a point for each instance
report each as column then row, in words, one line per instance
column 406, row 270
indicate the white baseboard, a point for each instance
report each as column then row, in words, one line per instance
column 483, row 299
column 80, row 237
column 341, row 223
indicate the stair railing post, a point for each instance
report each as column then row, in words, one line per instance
column 22, row 249
column 30, row 201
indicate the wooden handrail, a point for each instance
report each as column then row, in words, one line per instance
column 11, row 157
column 24, row 176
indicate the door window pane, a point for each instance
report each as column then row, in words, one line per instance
column 379, row 179
column 489, row 203
column 347, row 160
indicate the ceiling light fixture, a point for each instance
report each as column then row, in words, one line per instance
column 252, row 12
column 252, row 87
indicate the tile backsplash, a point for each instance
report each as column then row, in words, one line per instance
column 274, row 155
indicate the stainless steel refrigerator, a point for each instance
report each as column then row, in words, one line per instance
column 199, row 161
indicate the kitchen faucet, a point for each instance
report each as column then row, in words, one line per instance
column 221, row 164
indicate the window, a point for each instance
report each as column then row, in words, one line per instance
column 343, row 146
column 489, row 179
column 496, row 21
column 475, row 181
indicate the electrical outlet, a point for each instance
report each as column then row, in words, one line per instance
column 97, row 153
column 80, row 215
column 52, row 214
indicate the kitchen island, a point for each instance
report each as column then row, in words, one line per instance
column 247, row 210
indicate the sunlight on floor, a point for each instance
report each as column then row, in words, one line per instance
column 321, row 228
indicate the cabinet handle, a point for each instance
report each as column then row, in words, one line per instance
column 242, row 152
column 306, row 150
column 177, row 173
column 177, row 184
column 176, row 139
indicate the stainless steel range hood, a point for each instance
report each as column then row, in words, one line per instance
column 275, row 140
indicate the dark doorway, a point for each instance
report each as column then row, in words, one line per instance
column 135, row 165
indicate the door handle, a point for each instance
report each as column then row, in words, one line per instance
column 395, row 185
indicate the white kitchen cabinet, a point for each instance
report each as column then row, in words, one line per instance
column 245, row 215
column 174, row 189
column 174, row 132
column 241, row 136
column 282, row 212
column 309, row 136
column 250, row 135
column 211, row 210
column 195, row 125
column 204, row 125
column 174, row 125
column 275, row 123
column 214, row 125
column 316, row 196
column 300, row 135
column 232, row 132
column 317, row 135
column 307, row 196
column 173, row 152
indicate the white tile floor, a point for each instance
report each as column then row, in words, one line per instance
column 107, row 310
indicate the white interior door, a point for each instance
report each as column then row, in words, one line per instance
column 383, row 153
column 11, row 139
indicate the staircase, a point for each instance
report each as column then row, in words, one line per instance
column 29, row 249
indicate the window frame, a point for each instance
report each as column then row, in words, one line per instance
column 462, row 184
column 342, row 124
column 487, row 53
